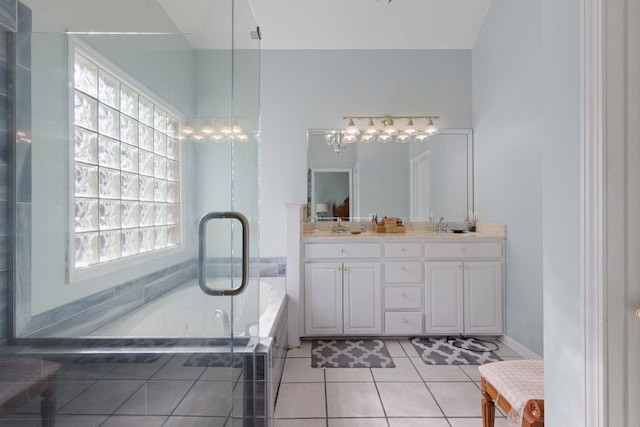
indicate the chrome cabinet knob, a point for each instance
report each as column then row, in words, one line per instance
column 638, row 314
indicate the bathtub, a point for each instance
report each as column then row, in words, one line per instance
column 188, row 312
column 181, row 323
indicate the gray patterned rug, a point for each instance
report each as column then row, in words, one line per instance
column 350, row 354
column 454, row 351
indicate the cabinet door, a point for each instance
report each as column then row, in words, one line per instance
column 483, row 297
column 323, row 298
column 443, row 297
column 362, row 298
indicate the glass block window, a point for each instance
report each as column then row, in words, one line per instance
column 126, row 168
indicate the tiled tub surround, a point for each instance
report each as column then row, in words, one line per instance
column 85, row 315
column 155, row 382
column 187, row 312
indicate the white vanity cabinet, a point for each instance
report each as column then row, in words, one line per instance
column 342, row 292
column 403, row 283
column 464, row 294
column 483, row 297
column 444, row 297
column 403, row 286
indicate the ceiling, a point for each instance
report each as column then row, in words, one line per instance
column 285, row 24
column 369, row 24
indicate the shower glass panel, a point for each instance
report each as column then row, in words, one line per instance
column 128, row 132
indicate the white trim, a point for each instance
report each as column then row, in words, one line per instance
column 294, row 288
column 592, row 221
column 518, row 348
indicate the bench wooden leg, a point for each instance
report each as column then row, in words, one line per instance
column 533, row 414
column 488, row 407
column 48, row 404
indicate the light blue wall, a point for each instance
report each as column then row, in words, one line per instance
column 526, row 105
column 564, row 327
column 314, row 89
column 507, row 120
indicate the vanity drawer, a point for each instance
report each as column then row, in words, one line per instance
column 342, row 250
column 402, row 323
column 402, row 272
column 402, row 250
column 403, row 297
column 463, row 250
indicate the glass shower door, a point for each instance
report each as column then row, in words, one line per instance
column 126, row 137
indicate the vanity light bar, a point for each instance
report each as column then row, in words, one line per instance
column 389, row 117
column 388, row 130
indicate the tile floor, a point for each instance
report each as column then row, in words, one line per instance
column 411, row 394
column 163, row 393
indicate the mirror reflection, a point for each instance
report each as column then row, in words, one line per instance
column 416, row 181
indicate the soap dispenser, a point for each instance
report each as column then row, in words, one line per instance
column 472, row 221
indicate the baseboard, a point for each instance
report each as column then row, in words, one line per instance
column 518, row 348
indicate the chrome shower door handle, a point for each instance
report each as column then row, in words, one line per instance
column 202, row 253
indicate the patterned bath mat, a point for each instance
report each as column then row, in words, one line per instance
column 350, row 354
column 454, row 351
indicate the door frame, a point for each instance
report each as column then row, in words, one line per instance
column 606, row 128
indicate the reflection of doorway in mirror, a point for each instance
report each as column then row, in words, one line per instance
column 420, row 183
column 332, row 186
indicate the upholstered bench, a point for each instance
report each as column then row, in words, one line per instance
column 22, row 379
column 517, row 386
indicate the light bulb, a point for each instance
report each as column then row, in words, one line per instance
column 187, row 130
column 371, row 129
column 389, row 129
column 207, row 130
column 352, row 129
column 410, row 129
column 367, row 138
column 226, row 130
column 349, row 138
column 421, row 137
column 431, row 129
column 403, row 137
column 385, row 138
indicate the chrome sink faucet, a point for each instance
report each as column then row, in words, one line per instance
column 339, row 228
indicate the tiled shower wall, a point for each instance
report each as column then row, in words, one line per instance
column 8, row 25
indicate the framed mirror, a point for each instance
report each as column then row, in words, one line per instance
column 415, row 181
